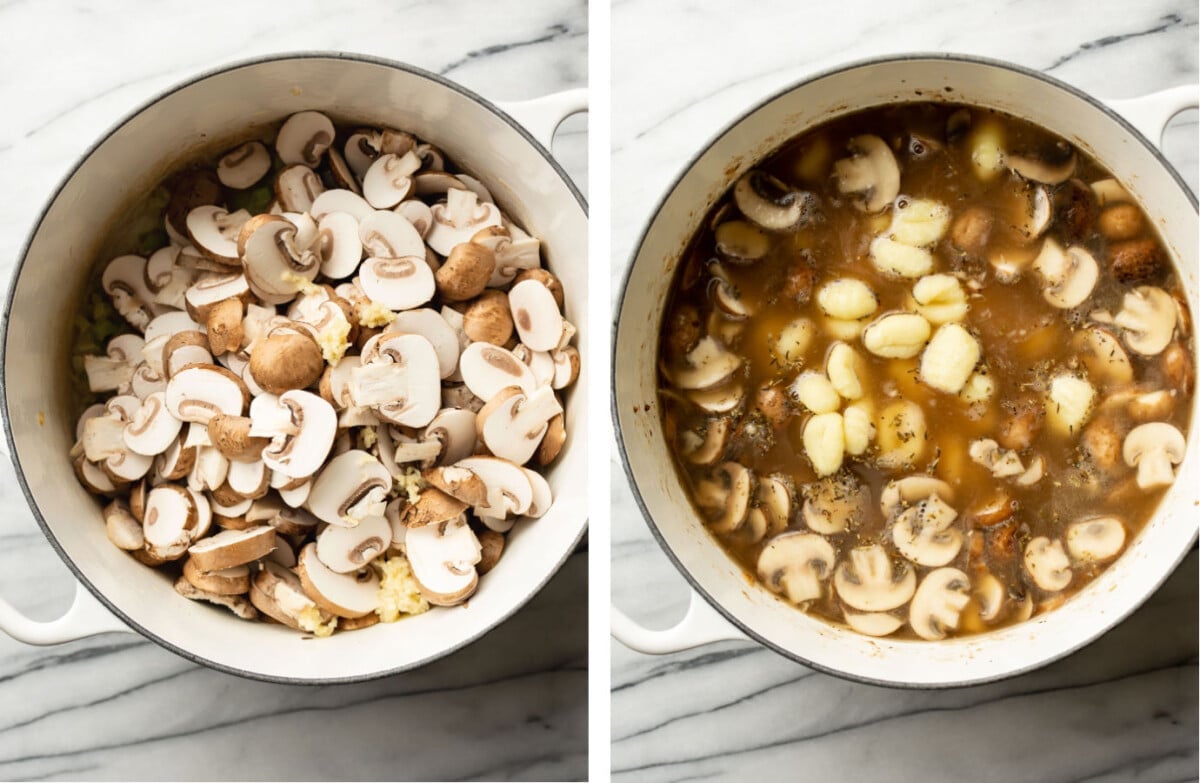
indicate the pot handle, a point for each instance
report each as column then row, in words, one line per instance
column 86, row 617
column 1151, row 113
column 542, row 116
column 701, row 625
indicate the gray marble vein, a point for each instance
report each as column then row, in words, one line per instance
column 511, row 706
column 1123, row 709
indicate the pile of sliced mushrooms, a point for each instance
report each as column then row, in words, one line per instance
column 856, row 389
column 329, row 413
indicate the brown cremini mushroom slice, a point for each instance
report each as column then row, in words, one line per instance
column 390, row 179
column 182, row 349
column 495, row 487
column 303, row 138
column 795, row 564
column 443, row 559
column 229, row 581
column 338, row 244
column 198, row 392
column 431, row 325
column 124, row 280
column 433, row 506
column 210, row 289
column 486, row 369
column 169, row 517
column 224, row 325
column 231, row 436
column 1047, row 564
column 458, row 220
column 275, row 265
column 491, row 547
column 1154, row 449
column 214, row 231
column 362, row 148
column 278, row 593
column 536, row 315
column 512, row 423
column 989, row 596
column 868, row 582
column 871, row 173
column 938, row 603
column 114, row 372
column 244, row 165
column 301, row 427
column 152, row 429
column 122, row 528
column 1070, row 274
column 350, row 488
column 103, row 443
column 397, row 283
column 231, row 548
column 1134, row 259
column 239, row 605
column 343, row 595
column 1147, row 319
column 347, row 549
column 466, row 273
column 1052, row 167
column 514, row 251
column 769, row 203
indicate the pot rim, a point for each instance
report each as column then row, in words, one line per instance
column 86, row 155
column 693, row 583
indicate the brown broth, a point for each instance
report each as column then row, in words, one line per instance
column 1024, row 339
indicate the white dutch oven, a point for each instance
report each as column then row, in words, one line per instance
column 743, row 610
column 50, row 277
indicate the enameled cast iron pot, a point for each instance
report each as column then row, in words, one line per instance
column 1118, row 140
column 491, row 142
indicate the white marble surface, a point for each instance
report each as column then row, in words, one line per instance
column 1125, row 708
column 511, row 706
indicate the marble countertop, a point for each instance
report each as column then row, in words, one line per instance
column 116, row 707
column 1123, row 709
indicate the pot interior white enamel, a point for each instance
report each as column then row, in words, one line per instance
column 118, row 172
column 1124, row 586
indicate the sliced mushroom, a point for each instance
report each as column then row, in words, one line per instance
column 243, row 166
column 868, row 582
column 397, row 283
column 1147, row 318
column 1102, row 355
column 871, row 173
column 114, row 372
column 303, row 138
column 124, row 280
column 536, row 315
column 1047, row 564
column 726, row 496
column 1070, row 274
column 507, row 491
column 122, row 528
column 708, row 448
column 512, row 423
column 275, row 264
column 1053, row 166
column 237, row 604
column 350, row 488
column 229, row 581
column 301, row 427
column 835, row 504
column 1154, row 449
column 169, row 517
column 873, row 623
column 468, row 268
column 486, row 369
column 347, row 549
column 1095, row 540
column 399, row 379
column 231, row 548
column 1002, row 463
column 795, row 565
column 152, row 429
column 458, row 220
column 343, row 595
column 938, row 603
column 443, row 559
column 923, row 533
column 286, row 358
column 214, row 232
column 989, row 595
column 277, row 592
column 433, row 327
column 771, row 204
column 389, row 180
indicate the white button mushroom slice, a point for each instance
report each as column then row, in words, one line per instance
column 238, row 604
column 540, row 363
column 174, row 463
column 477, row 187
column 244, row 165
column 228, row 581
column 507, row 488
column 709, row 365
column 104, row 444
column 459, row 219
column 399, row 378
column 347, row 549
column 167, row 278
column 152, row 352
column 350, row 488
column 825, row 443
column 1095, row 540
column 896, row 335
column 122, row 529
column 868, row 582
column 387, row 234
column 361, row 149
column 183, row 349
column 416, row 212
column 1069, row 403
column 770, row 203
column 512, row 423
column 146, row 381
column 795, row 564
column 342, row 174
column 454, row 430
column 1069, row 275
column 198, row 392
column 815, row 392
column 940, row 299
column 1154, row 449
column 923, row 534
column 165, row 326
column 988, row 594
column 124, row 280
column 397, row 283
column 536, row 315
column 335, row 382
column 296, row 496
column 152, row 429
column 338, row 245
column 938, row 603
column 871, row 173
column 301, row 426
column 114, row 371
column 344, row 595
column 1147, row 318
column 307, row 232
column 170, row 514
column 389, row 180
column 834, row 504
column 443, row 559
column 1034, row 473
column 1047, row 564
column 949, row 358
column 275, row 268
column 211, row 289
column 437, row 183
column 1110, row 191
column 566, row 367
column 231, row 510
column 1103, row 356
column 214, row 231
column 1002, row 463
column 486, row 369
column 209, row 470
column 873, row 623
column 340, row 200
column 514, row 251
column 304, row 137
column 899, row 494
column 1052, row 168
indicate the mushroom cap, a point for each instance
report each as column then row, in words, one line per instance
column 1070, row 274
column 350, row 488
column 868, row 582
column 1047, row 564
column 344, row 595
column 400, row 283
column 443, row 558
column 229, row 581
column 1154, row 448
column 486, row 369
column 938, row 603
column 347, row 549
column 243, row 166
column 871, row 172
column 198, row 392
column 433, row 506
column 303, row 138
column 1147, row 318
column 834, row 504
column 794, row 564
column 231, row 548
column 1096, row 540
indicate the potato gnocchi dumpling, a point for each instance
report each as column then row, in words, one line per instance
column 926, row 371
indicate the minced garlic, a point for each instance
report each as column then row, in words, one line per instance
column 411, row 484
column 398, row 590
column 303, row 284
column 309, row 618
column 333, row 341
column 373, row 314
column 367, row 438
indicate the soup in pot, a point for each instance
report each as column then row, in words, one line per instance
column 926, row 370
